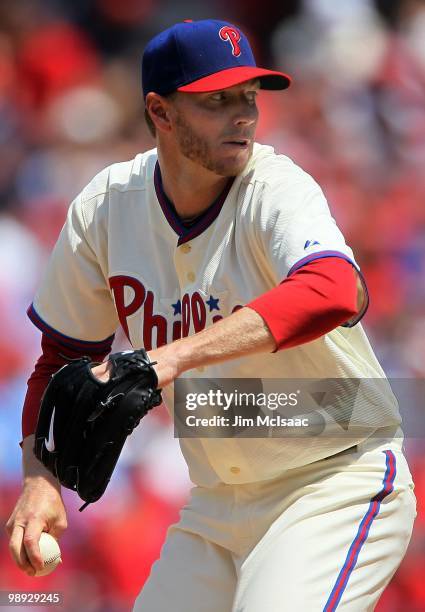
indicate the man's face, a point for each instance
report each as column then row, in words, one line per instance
column 217, row 129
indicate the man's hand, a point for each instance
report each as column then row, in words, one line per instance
column 169, row 365
column 167, row 368
column 39, row 508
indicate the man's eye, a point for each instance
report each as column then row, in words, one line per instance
column 218, row 97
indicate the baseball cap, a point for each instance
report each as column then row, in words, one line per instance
column 200, row 56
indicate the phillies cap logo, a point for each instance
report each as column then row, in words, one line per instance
column 233, row 36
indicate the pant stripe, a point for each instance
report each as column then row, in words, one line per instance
column 362, row 533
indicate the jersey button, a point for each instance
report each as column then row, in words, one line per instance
column 190, row 277
column 235, row 470
column 186, row 248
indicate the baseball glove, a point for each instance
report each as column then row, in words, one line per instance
column 83, row 422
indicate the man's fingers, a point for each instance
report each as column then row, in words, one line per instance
column 9, row 526
column 30, row 542
column 17, row 550
column 39, row 508
column 58, row 528
column 102, row 371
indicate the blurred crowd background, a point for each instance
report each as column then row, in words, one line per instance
column 70, row 104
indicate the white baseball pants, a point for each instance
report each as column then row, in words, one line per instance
column 324, row 537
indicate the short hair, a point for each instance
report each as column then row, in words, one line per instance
column 149, row 122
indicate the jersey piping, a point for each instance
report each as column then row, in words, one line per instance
column 201, row 223
column 320, row 255
column 99, row 346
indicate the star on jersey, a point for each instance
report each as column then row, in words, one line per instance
column 310, row 243
column 213, row 303
column 177, row 307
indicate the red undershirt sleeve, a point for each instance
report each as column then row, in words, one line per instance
column 313, row 301
column 54, row 356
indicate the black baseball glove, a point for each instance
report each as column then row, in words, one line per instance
column 83, row 422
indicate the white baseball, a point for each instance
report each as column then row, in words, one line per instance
column 50, row 553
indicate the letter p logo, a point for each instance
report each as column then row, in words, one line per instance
column 233, row 36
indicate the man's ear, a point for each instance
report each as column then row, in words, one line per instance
column 157, row 108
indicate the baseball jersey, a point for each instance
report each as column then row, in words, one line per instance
column 124, row 257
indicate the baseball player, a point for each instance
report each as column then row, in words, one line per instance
column 222, row 259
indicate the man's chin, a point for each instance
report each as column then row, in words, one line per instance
column 231, row 165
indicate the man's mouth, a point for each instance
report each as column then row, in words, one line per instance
column 238, row 142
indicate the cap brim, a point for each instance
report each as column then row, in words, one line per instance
column 269, row 79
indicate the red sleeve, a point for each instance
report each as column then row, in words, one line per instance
column 310, row 303
column 54, row 356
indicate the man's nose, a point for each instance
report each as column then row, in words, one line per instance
column 246, row 115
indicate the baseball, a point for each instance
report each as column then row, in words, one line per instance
column 50, row 553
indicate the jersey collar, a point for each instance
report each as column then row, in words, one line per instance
column 188, row 231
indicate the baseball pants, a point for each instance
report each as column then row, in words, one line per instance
column 323, row 537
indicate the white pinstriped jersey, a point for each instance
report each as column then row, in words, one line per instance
column 123, row 257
